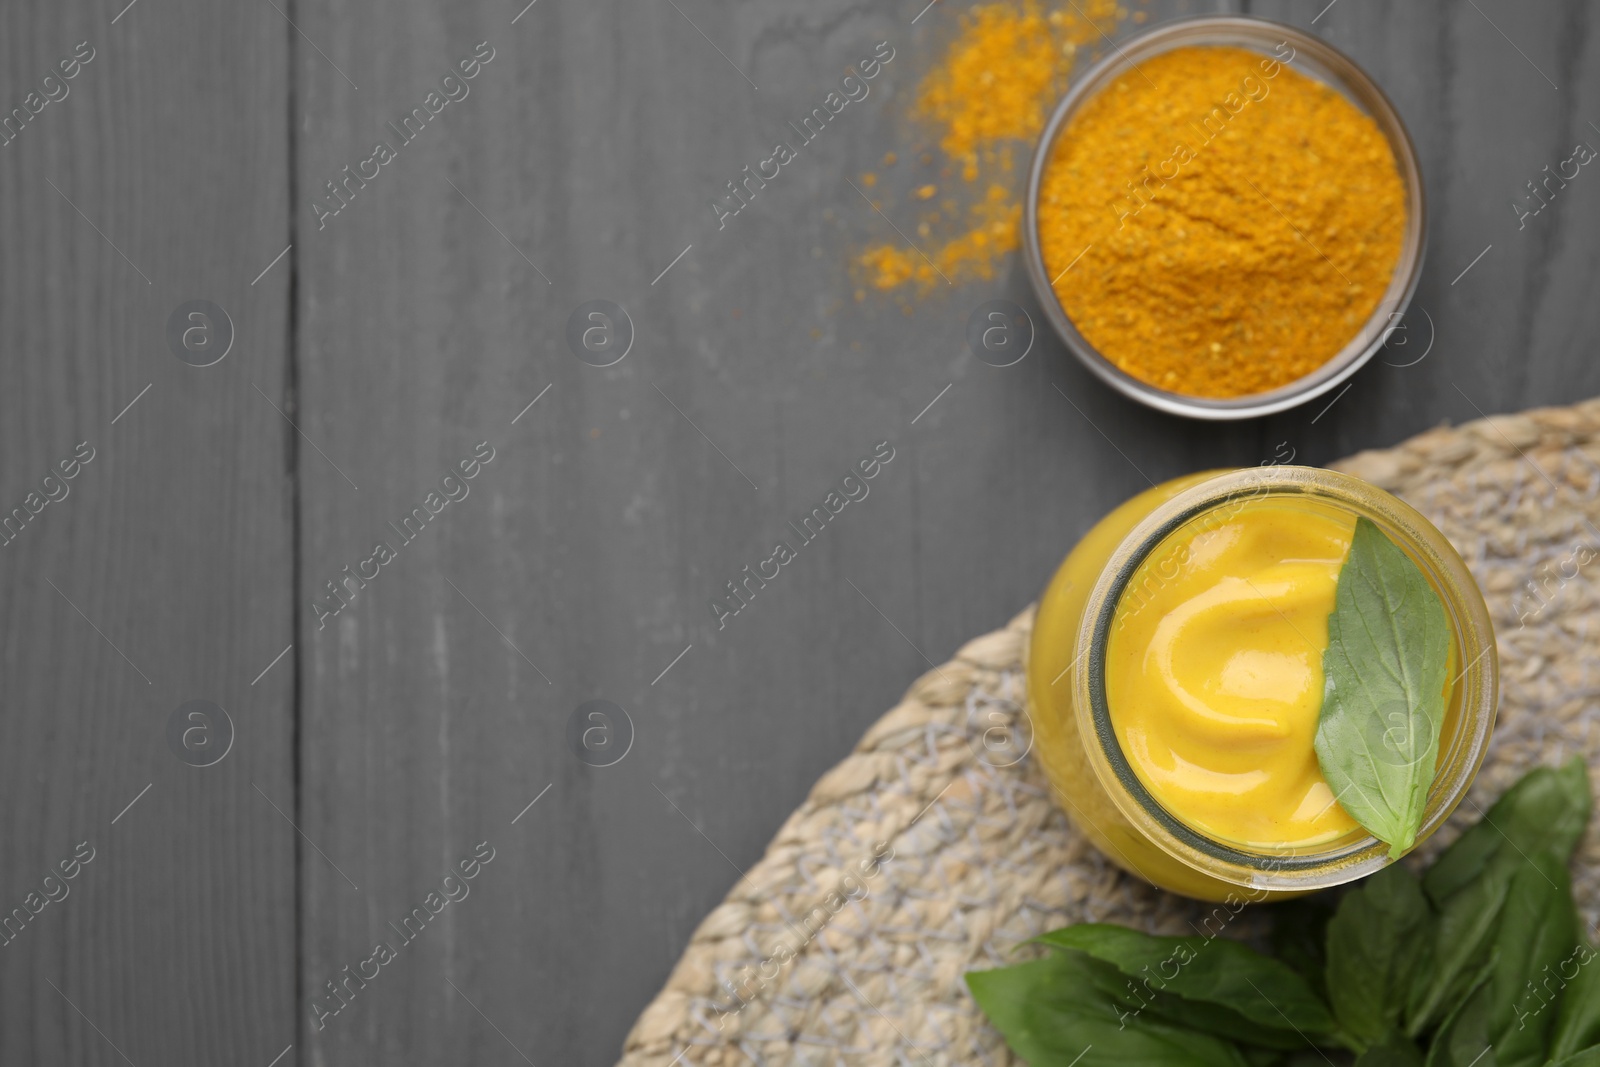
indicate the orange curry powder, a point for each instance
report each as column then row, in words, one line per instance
column 1218, row 224
column 986, row 98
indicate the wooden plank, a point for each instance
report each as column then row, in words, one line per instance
column 1490, row 93
column 618, row 505
column 156, row 175
column 435, row 305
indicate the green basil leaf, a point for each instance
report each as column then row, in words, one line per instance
column 1545, row 813
column 1379, row 940
column 1461, row 953
column 1589, row 1057
column 1310, row 1057
column 1463, row 1040
column 1484, row 955
column 1004, row 992
column 1210, row 970
column 1224, row 1023
column 1384, row 679
column 1070, row 1008
column 1394, row 1052
column 1300, row 938
column 1538, row 930
column 1578, row 1020
column 1539, row 819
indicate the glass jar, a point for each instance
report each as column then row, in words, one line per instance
column 1079, row 750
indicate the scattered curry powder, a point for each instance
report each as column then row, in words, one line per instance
column 995, row 82
column 1218, row 224
column 990, row 229
column 985, row 100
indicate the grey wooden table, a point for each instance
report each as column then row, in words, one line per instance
column 343, row 768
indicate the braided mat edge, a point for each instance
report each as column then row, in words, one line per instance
column 915, row 859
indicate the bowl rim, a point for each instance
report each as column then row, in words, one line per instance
column 1403, row 282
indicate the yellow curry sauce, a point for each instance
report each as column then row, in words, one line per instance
column 1213, row 671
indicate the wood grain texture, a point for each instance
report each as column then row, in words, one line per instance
column 163, row 574
column 430, row 310
column 618, row 505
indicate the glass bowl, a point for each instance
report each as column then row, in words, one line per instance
column 1314, row 58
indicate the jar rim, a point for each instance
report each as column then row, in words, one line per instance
column 1290, row 868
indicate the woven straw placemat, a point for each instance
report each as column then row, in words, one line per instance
column 785, row 972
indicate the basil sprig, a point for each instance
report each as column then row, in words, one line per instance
column 1479, row 963
column 1383, row 694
